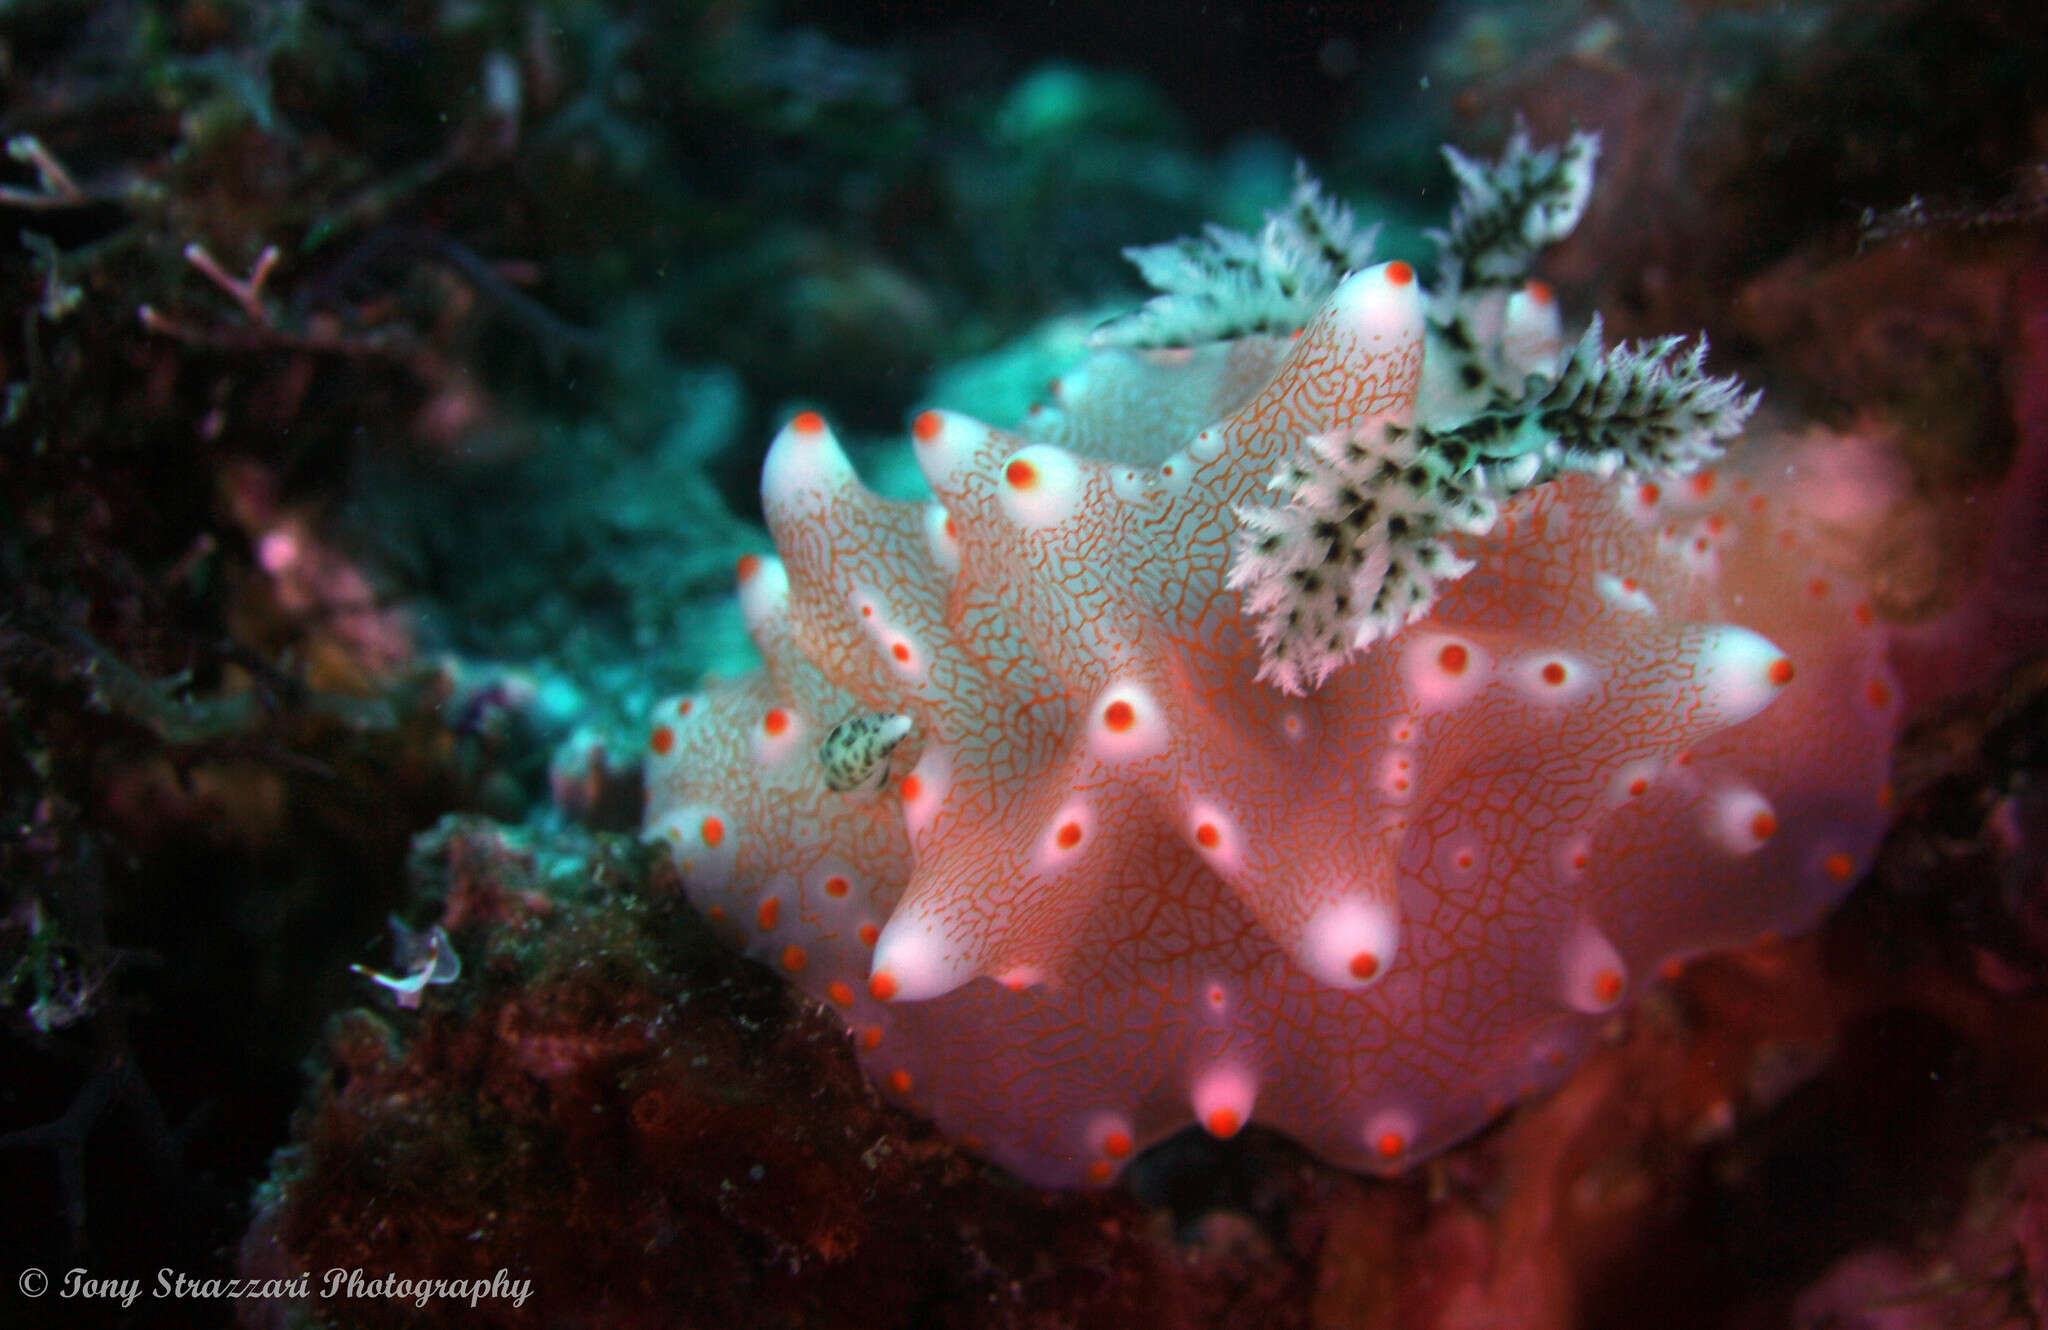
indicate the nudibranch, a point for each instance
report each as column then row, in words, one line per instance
column 1339, row 702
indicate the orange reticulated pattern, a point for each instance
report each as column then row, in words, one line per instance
column 1108, row 885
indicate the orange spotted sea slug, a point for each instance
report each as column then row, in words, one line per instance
column 1336, row 703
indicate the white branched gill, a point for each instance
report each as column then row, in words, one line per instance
column 1227, row 284
column 1509, row 209
column 1356, row 548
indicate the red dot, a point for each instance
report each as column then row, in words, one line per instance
column 1703, row 483
column 840, row 994
column 912, row 786
column 869, row 935
column 712, row 830
column 1764, row 825
column 928, row 426
column 1119, row 716
column 1364, row 966
column 901, row 651
column 1223, row 1123
column 1540, row 293
column 1399, row 273
column 1207, row 836
column 837, row 885
column 795, row 958
column 1638, row 787
column 1021, row 474
column 1070, row 836
column 770, row 913
column 1649, row 494
column 1879, row 693
column 662, row 740
column 808, row 422
column 776, row 722
column 882, row 986
column 1553, row 674
column 1838, row 866
column 1117, row 1145
column 1391, row 1145
column 1607, row 987
column 1781, row 671
column 1453, row 658
column 1099, row 1173
column 748, row 565
column 899, row 1081
column 871, row 1038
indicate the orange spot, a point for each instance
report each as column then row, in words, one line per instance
column 662, row 740
column 1117, row 1145
column 776, row 722
column 1838, row 866
column 795, row 958
column 1399, row 273
column 951, row 534
column 1703, row 483
column 1401, row 784
column 1100, row 1172
column 867, row 611
column 837, row 886
column 1553, row 674
column 1629, row 584
column 1607, row 987
column 1638, row 787
column 1391, row 1145
column 1465, row 859
column 1699, row 545
column 901, row 651
column 1581, row 858
column 745, row 569
column 686, row 706
column 712, row 830
column 871, row 1038
column 1717, row 524
column 1540, row 292
column 912, row 786
column 1119, row 716
column 1453, row 658
column 1649, row 494
column 1070, row 836
column 1021, row 474
column 928, row 426
column 1364, row 966
column 770, row 913
column 807, row 422
column 1879, row 692
column 840, row 993
column 1764, row 825
column 899, row 1081
column 1780, row 672
column 1167, row 469
column 882, row 986
column 1207, row 836
column 869, row 934
column 1223, row 1123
